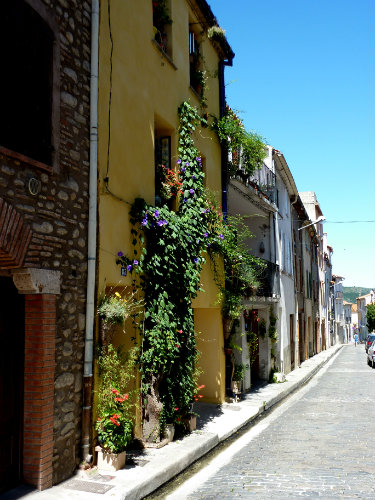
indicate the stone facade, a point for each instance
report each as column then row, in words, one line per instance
column 50, row 206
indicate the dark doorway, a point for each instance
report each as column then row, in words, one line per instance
column 254, row 329
column 12, row 314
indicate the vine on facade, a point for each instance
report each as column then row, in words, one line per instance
column 170, row 250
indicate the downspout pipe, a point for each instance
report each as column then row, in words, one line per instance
column 224, row 152
column 92, row 230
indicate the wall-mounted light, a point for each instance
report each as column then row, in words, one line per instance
column 321, row 218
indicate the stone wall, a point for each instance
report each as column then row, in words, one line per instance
column 58, row 214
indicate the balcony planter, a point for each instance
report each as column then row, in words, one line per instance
column 110, row 461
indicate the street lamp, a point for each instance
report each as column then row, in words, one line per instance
column 319, row 219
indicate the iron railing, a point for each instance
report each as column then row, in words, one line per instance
column 262, row 179
column 269, row 279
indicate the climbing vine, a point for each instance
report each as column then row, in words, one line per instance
column 247, row 149
column 170, row 248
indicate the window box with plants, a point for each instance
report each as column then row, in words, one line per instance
column 161, row 20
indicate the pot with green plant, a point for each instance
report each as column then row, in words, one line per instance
column 216, row 34
column 115, row 406
column 238, row 374
column 161, row 19
column 113, row 310
column 272, row 331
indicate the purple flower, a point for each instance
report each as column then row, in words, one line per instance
column 183, row 169
column 144, row 222
column 187, row 164
column 178, row 161
column 184, row 200
column 191, row 191
column 221, row 236
column 193, row 176
column 198, row 159
column 135, row 263
column 207, row 210
column 156, row 213
column 120, row 254
column 165, row 222
column 129, row 267
column 196, row 260
column 205, row 235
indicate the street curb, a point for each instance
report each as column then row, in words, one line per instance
column 165, row 463
column 161, row 477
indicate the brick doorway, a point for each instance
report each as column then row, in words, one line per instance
column 27, row 373
column 12, row 313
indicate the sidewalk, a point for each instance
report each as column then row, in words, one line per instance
column 154, row 467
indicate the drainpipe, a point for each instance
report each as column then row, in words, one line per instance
column 92, row 227
column 224, row 151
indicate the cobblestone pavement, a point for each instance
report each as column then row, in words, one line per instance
column 318, row 444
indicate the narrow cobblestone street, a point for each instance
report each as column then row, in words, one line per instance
column 318, row 444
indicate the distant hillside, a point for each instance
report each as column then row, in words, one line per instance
column 352, row 292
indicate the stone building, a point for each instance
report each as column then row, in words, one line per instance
column 44, row 164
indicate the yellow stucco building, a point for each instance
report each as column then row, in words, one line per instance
column 147, row 68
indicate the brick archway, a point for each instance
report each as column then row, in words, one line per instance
column 15, row 237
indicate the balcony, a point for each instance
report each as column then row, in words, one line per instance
column 262, row 180
column 269, row 278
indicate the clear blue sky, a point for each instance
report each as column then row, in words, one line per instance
column 304, row 78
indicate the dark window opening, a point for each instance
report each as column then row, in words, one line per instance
column 26, row 51
column 162, row 21
column 163, row 192
column 196, row 73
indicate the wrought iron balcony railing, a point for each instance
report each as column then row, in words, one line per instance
column 262, row 179
column 269, row 279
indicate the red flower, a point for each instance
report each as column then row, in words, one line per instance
column 115, row 391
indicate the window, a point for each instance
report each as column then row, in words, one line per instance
column 162, row 166
column 162, row 24
column 196, row 72
column 26, row 51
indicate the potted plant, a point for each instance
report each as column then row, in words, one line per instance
column 237, row 377
column 113, row 310
column 115, row 406
column 216, row 34
column 161, row 19
column 272, row 331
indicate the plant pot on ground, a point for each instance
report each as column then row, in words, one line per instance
column 110, row 461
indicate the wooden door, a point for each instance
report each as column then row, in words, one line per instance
column 12, row 314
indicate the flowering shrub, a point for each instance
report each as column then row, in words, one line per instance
column 171, row 186
column 115, row 402
column 114, row 427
